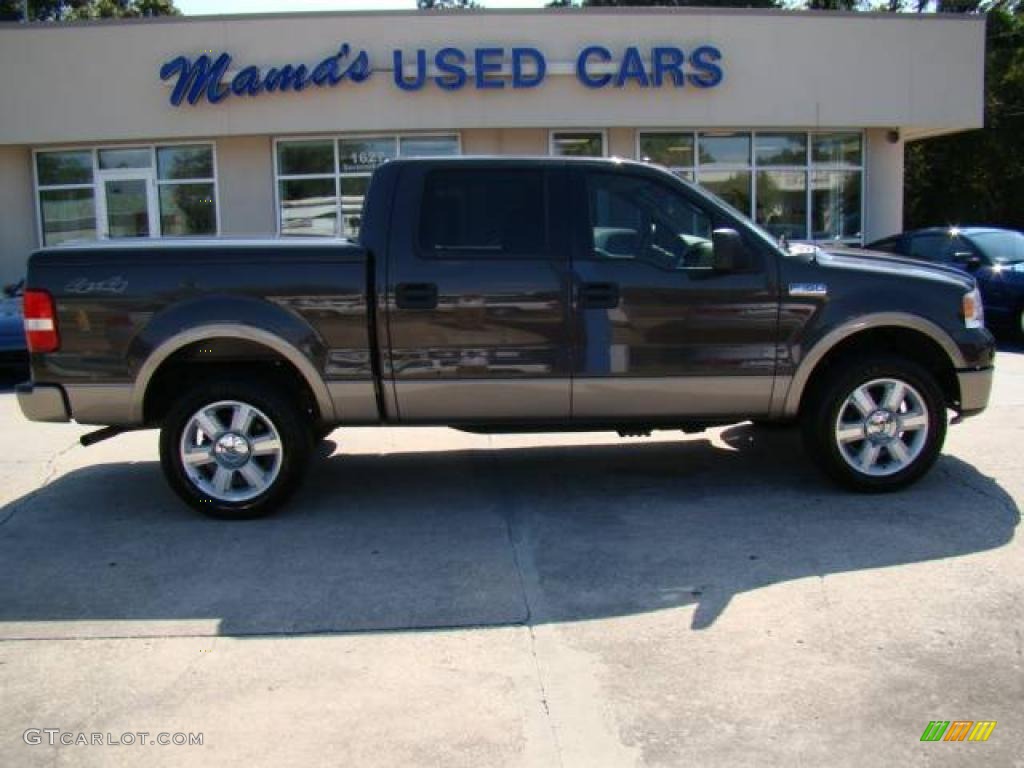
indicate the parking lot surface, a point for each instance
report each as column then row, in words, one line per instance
column 436, row 598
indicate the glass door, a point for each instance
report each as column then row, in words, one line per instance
column 128, row 204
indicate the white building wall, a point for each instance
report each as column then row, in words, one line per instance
column 100, row 81
column 17, row 212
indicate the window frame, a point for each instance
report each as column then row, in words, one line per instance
column 479, row 254
column 808, row 168
column 97, row 182
column 337, row 173
column 602, row 132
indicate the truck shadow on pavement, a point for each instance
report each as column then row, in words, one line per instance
column 415, row 541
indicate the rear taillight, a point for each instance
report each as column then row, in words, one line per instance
column 40, row 322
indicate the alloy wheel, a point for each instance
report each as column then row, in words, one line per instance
column 882, row 427
column 231, row 451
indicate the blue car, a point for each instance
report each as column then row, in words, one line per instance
column 13, row 348
column 995, row 257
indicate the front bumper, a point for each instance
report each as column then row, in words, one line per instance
column 42, row 402
column 975, row 388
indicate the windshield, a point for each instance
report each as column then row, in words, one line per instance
column 1001, row 247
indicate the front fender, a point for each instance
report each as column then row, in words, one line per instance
column 789, row 393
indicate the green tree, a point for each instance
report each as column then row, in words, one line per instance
column 978, row 177
column 72, row 10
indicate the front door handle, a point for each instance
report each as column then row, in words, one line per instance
column 599, row 295
column 416, row 296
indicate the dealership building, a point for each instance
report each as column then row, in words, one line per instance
column 271, row 125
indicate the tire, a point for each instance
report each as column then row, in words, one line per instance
column 253, row 461
column 900, row 435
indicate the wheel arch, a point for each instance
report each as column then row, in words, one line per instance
column 164, row 355
column 913, row 336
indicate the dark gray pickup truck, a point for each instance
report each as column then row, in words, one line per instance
column 502, row 295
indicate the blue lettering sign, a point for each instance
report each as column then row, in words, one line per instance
column 204, row 77
column 706, row 74
column 596, row 67
column 667, row 61
column 421, row 71
column 488, row 60
column 519, row 78
column 451, row 62
column 582, row 61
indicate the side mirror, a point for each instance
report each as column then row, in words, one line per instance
column 967, row 260
column 727, row 249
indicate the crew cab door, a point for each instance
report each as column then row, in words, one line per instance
column 659, row 332
column 478, row 295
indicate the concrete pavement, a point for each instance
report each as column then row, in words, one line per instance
column 431, row 597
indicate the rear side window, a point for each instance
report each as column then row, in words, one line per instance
column 485, row 212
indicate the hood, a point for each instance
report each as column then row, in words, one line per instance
column 861, row 260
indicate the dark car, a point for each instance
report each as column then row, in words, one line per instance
column 502, row 295
column 13, row 348
column 994, row 257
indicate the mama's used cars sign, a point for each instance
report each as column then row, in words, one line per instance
column 213, row 78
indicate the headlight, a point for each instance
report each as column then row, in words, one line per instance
column 973, row 310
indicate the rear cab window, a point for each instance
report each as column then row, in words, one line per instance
column 484, row 213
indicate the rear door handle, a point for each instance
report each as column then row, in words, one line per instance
column 416, row 296
column 599, row 295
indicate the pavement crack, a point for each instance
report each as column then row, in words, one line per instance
column 508, row 511
column 48, row 476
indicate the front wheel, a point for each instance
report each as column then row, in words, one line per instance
column 234, row 449
column 876, row 425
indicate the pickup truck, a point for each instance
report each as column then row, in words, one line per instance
column 502, row 295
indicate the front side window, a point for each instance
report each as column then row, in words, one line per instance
column 119, row 192
column 641, row 220
column 483, row 212
column 321, row 183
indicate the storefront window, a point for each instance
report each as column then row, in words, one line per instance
column 782, row 203
column 187, row 190
column 731, row 186
column 117, row 192
column 835, row 205
column 777, row 149
column 836, row 192
column 672, row 150
column 804, row 185
column 67, row 215
column 724, row 149
column 837, row 149
column 321, row 183
column 577, row 143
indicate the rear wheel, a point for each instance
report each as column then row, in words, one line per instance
column 234, row 449
column 876, row 425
